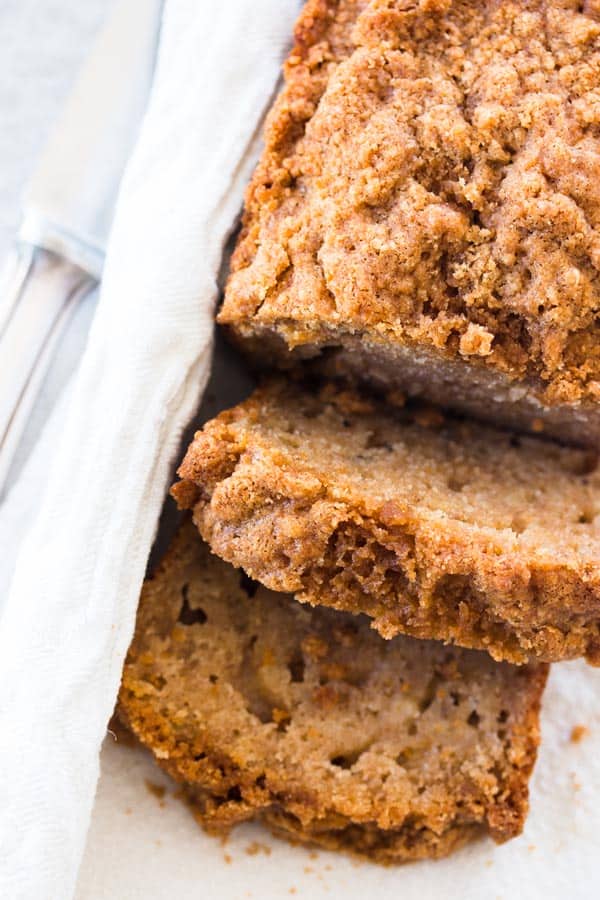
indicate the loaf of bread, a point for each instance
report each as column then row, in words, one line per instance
column 435, row 527
column 307, row 719
column 426, row 212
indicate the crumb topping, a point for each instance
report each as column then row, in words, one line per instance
column 432, row 174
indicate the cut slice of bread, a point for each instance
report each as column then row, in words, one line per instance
column 308, row 720
column 434, row 527
column 426, row 211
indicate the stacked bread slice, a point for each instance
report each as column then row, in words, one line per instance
column 435, row 527
column 363, row 666
column 307, row 719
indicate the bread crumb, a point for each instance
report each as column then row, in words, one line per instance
column 476, row 341
column 157, row 790
column 578, row 733
column 228, row 858
column 256, row 847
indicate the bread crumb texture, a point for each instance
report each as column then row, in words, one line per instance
column 431, row 178
column 306, row 719
column 433, row 526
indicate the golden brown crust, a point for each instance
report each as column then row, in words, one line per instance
column 430, row 182
column 439, row 529
column 261, row 707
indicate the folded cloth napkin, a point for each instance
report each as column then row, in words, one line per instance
column 70, row 611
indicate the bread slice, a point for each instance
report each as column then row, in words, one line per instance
column 435, row 528
column 305, row 718
column 426, row 212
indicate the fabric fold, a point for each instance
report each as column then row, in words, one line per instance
column 70, row 611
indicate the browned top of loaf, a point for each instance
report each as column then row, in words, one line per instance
column 432, row 176
column 272, row 705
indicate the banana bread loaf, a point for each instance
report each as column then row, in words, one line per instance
column 436, row 527
column 426, row 212
column 306, row 719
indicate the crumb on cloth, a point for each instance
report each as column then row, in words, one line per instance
column 578, row 733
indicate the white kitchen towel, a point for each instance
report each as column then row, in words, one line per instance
column 70, row 611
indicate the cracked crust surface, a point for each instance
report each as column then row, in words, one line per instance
column 306, row 719
column 432, row 526
column 430, row 187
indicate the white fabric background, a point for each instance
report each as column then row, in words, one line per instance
column 70, row 610
column 141, row 847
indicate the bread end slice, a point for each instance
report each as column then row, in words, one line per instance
column 308, row 721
